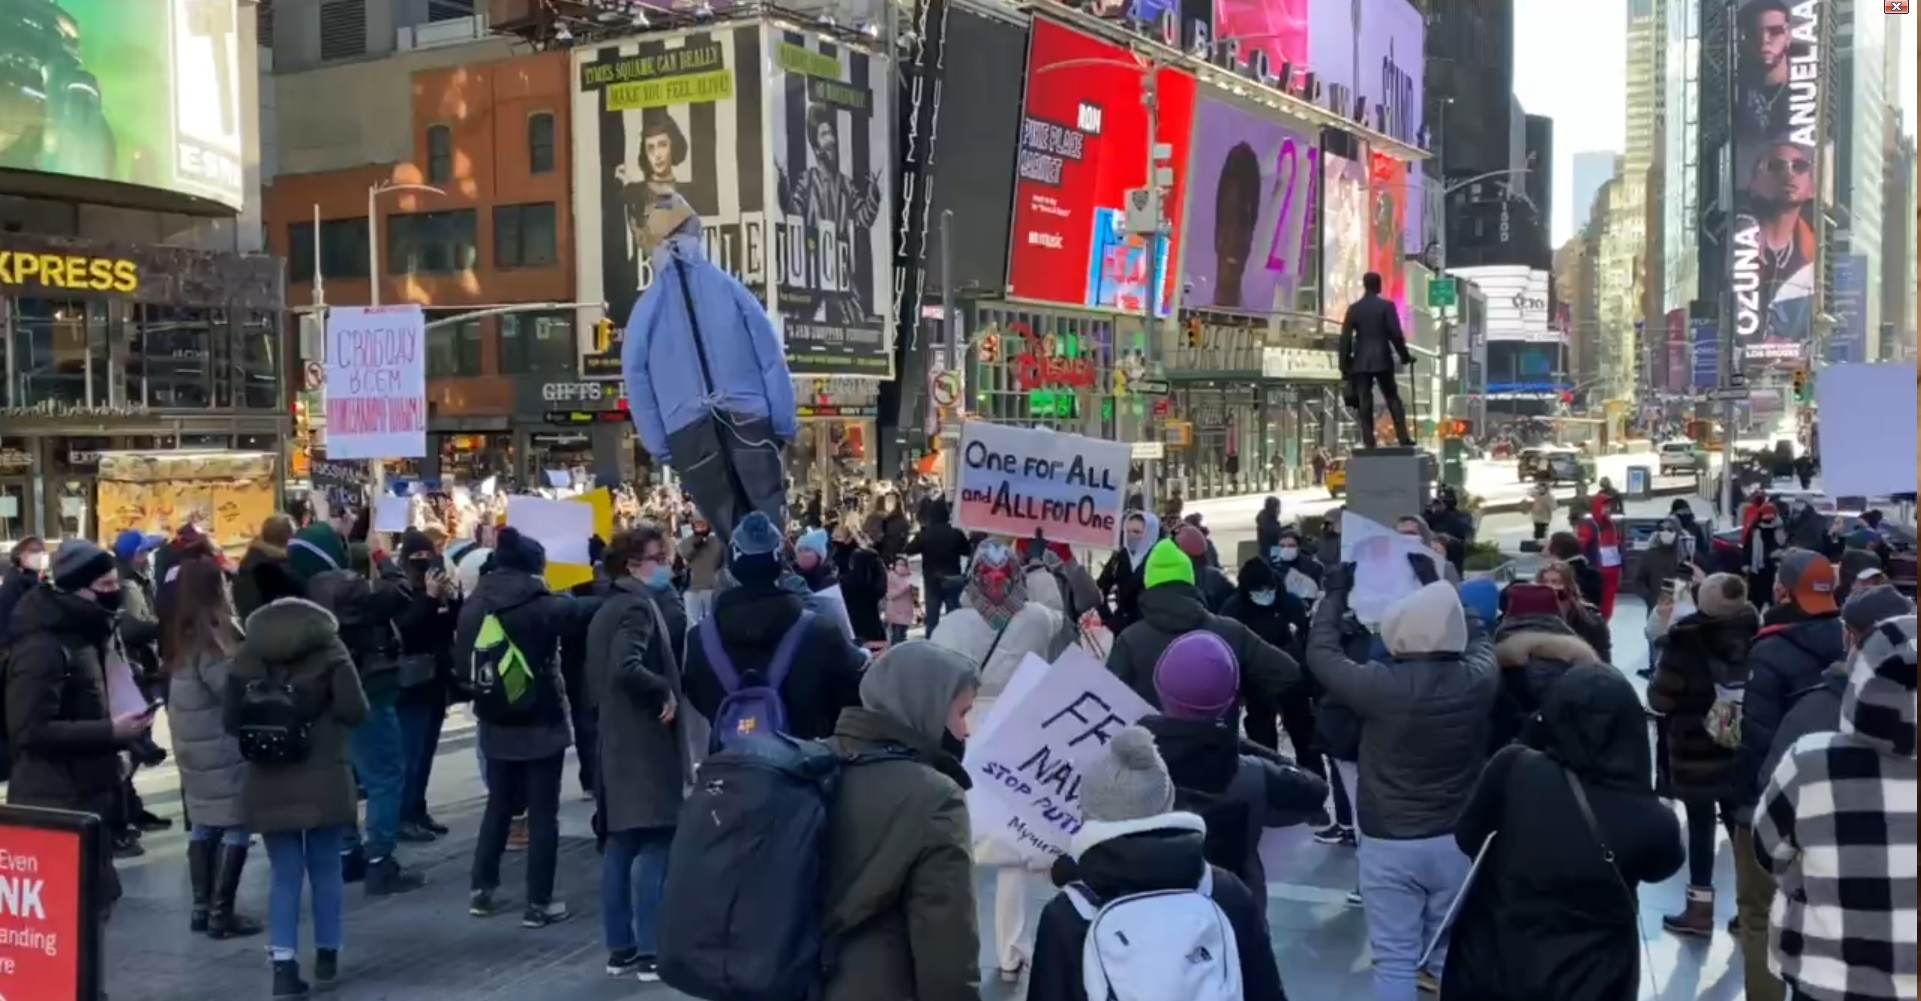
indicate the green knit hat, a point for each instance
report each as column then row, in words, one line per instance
column 1166, row 564
column 315, row 550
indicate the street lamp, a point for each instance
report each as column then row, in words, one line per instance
column 374, row 191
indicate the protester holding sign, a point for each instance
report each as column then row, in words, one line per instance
column 1172, row 606
column 1016, row 481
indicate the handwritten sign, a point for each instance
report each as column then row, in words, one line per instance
column 1015, row 480
column 376, row 382
column 1026, row 760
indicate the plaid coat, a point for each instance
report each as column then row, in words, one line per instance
column 1837, row 827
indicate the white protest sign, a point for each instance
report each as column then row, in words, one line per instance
column 1382, row 575
column 376, row 382
column 563, row 528
column 1030, row 753
column 1014, row 480
column 1866, row 443
column 392, row 514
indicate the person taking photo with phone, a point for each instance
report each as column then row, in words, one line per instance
column 68, row 721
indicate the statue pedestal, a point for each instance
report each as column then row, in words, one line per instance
column 1385, row 485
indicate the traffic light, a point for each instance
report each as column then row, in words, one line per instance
column 1800, row 385
column 603, row 335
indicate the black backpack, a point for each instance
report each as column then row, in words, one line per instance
column 273, row 729
column 745, row 872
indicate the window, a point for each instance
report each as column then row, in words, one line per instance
column 431, row 243
column 343, row 29
column 540, row 143
column 452, row 348
column 524, row 235
column 440, row 154
column 343, row 249
column 538, row 344
column 170, row 357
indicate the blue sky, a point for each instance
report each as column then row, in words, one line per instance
column 1570, row 63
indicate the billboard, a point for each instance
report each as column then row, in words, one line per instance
column 1344, row 233
column 1387, row 198
column 1247, row 214
column 1848, row 341
column 676, row 112
column 1526, row 368
column 1704, row 335
column 833, row 248
column 1777, row 138
column 144, row 94
column 1278, row 28
column 1083, row 145
column 1374, row 50
column 1516, row 302
column 1677, row 351
column 971, row 178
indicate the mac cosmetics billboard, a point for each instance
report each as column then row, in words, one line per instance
column 1776, row 109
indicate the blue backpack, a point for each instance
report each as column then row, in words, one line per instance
column 753, row 704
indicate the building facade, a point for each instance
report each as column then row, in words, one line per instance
column 479, row 221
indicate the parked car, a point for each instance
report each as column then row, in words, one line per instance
column 1336, row 478
column 1562, row 464
column 1678, row 458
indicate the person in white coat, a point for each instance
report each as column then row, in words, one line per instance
column 999, row 623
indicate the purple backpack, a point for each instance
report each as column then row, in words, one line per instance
column 753, row 704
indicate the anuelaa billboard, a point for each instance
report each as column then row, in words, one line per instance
column 1777, row 130
column 1248, row 233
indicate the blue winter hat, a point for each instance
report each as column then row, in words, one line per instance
column 754, row 554
column 1482, row 597
column 815, row 540
column 133, row 542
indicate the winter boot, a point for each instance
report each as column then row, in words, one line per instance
column 286, row 979
column 1696, row 917
column 222, row 922
column 200, row 865
column 326, row 965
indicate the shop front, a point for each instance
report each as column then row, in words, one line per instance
column 1302, row 412
column 574, row 426
column 1062, row 369
column 837, row 450
column 115, row 347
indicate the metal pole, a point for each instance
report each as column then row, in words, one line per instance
column 1729, row 377
column 376, row 469
column 1150, row 96
column 951, row 350
column 319, row 280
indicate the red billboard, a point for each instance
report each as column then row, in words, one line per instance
column 1387, row 219
column 1083, row 145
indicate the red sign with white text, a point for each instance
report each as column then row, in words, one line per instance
column 40, row 915
column 1083, row 146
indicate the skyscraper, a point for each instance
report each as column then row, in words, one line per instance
column 1591, row 170
column 1860, row 136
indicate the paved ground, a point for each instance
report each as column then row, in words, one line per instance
column 424, row 947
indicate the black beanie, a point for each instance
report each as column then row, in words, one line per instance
column 514, row 551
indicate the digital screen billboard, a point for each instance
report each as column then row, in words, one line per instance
column 145, row 94
column 1083, row 145
column 1848, row 341
column 1374, row 50
column 1516, row 302
column 1776, row 126
column 1521, row 368
column 1344, row 233
column 1387, row 198
column 1247, row 214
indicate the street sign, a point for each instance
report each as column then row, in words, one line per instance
column 1151, row 387
column 1440, row 292
column 946, row 389
column 1731, row 394
column 1142, row 451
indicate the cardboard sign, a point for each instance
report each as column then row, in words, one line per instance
column 1027, row 757
column 1015, row 480
column 376, row 382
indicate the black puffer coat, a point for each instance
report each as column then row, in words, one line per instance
column 1700, row 652
column 1534, row 651
column 65, row 755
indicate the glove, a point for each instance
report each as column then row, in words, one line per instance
column 1424, row 569
column 1338, row 579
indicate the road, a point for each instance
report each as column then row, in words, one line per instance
column 424, row 947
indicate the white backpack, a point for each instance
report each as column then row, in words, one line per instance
column 1166, row 945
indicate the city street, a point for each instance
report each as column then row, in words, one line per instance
column 424, row 946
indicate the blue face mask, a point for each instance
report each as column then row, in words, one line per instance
column 661, row 579
column 1262, row 598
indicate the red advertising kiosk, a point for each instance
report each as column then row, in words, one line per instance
column 50, row 918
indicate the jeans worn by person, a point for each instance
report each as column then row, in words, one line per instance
column 420, row 727
column 511, row 786
column 700, row 604
column 1406, row 889
column 232, row 837
column 633, row 873
column 298, row 859
column 1753, row 896
column 1703, row 821
column 379, row 761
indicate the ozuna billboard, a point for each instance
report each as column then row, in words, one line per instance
column 1777, row 138
column 1083, row 146
column 1254, row 188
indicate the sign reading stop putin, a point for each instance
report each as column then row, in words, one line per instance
column 49, row 908
column 376, row 382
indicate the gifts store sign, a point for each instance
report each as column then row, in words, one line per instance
column 41, row 950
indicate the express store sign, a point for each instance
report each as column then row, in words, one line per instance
column 1083, row 146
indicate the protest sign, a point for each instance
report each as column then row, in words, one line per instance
column 1029, row 755
column 376, row 382
column 1865, row 438
column 1015, row 480
column 392, row 514
column 1382, row 574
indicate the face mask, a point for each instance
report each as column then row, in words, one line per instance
column 661, row 578
column 686, row 531
column 109, row 600
column 1262, row 598
column 1770, row 523
column 1664, row 538
column 35, row 562
column 1288, row 554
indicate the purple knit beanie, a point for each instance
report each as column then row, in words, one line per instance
column 1197, row 677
